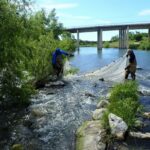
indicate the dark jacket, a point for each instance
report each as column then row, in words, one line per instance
column 58, row 52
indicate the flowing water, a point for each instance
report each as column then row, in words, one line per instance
column 56, row 112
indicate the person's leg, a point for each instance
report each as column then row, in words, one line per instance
column 133, row 70
column 133, row 75
column 126, row 74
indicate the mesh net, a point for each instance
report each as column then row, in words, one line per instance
column 112, row 72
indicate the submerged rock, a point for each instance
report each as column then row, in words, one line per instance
column 117, row 125
column 91, row 136
column 138, row 124
column 101, row 79
column 89, row 95
column 118, row 145
column 38, row 113
column 57, row 84
column 147, row 114
column 17, row 147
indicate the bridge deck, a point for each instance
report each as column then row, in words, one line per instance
column 109, row 27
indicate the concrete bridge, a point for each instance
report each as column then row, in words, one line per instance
column 122, row 28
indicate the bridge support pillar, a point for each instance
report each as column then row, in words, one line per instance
column 149, row 34
column 120, row 38
column 127, row 37
column 78, row 40
column 99, row 39
column 123, row 38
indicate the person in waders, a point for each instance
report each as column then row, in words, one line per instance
column 131, row 67
column 57, row 61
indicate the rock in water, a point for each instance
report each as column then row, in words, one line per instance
column 55, row 84
column 117, row 125
column 98, row 113
column 91, row 136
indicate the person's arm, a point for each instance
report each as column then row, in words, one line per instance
column 64, row 53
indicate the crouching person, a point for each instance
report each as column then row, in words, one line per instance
column 57, row 61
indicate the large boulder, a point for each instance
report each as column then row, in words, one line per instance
column 98, row 113
column 91, row 136
column 117, row 125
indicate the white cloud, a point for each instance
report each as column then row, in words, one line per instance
column 49, row 5
column 144, row 12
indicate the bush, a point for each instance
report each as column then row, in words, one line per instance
column 124, row 102
column 26, row 49
column 123, row 91
column 126, row 109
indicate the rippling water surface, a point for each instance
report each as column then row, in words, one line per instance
column 89, row 58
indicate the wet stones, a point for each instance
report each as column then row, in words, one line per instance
column 147, row 115
column 98, row 113
column 101, row 79
column 89, row 94
column 140, row 135
column 117, row 125
column 38, row 113
column 90, row 136
column 102, row 104
column 17, row 147
column 55, row 84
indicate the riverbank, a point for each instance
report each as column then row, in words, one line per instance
column 142, row 45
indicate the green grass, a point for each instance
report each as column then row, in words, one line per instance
column 124, row 103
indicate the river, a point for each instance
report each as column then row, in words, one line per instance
column 89, row 59
column 56, row 112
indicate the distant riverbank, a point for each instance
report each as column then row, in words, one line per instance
column 136, row 40
column 109, row 44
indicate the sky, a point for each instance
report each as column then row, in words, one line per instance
column 80, row 13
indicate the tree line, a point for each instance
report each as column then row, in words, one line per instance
column 137, row 40
column 27, row 40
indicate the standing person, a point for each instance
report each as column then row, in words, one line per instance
column 57, row 61
column 131, row 67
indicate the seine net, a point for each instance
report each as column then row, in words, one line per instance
column 112, row 72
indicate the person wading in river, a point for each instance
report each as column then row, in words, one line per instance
column 57, row 61
column 131, row 67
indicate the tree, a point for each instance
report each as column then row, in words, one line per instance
column 26, row 45
column 115, row 38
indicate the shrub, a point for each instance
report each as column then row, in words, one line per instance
column 124, row 102
column 123, row 91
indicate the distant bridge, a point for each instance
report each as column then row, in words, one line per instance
column 123, row 32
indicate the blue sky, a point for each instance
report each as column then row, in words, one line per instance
column 74, row 13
